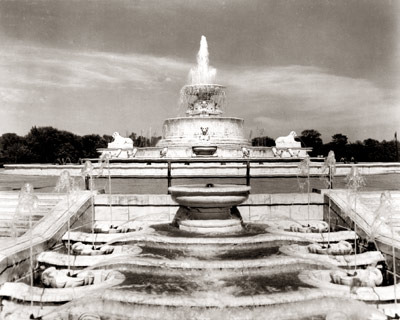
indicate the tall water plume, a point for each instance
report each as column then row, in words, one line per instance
column 202, row 73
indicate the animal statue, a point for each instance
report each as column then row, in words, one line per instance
column 51, row 277
column 245, row 152
column 163, row 152
column 120, row 142
column 316, row 227
column 369, row 277
column 288, row 141
column 341, row 248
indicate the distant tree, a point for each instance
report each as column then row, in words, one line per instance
column 107, row 138
column 14, row 149
column 339, row 139
column 263, row 141
column 338, row 145
column 48, row 145
column 154, row 141
column 311, row 139
column 90, row 144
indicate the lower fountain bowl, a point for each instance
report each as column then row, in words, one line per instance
column 211, row 226
column 209, row 196
column 204, row 150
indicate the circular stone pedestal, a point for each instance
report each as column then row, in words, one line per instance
column 211, row 226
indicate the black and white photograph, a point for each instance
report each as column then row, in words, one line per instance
column 199, row 159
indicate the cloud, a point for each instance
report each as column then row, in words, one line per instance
column 25, row 66
column 302, row 96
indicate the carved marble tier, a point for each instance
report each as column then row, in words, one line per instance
column 200, row 131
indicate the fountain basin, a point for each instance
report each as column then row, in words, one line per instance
column 211, row 226
column 204, row 150
column 209, row 196
column 102, row 279
column 322, row 279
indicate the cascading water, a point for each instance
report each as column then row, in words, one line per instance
column 203, row 73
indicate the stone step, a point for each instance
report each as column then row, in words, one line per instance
column 14, row 202
column 39, row 208
column 20, row 218
column 6, row 231
column 15, row 195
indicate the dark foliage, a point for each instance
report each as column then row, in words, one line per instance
column 50, row 145
column 369, row 150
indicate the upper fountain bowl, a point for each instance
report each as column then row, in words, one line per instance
column 210, row 196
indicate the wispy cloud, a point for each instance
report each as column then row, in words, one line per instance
column 280, row 97
column 24, row 66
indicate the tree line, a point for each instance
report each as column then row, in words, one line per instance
column 50, row 145
column 368, row 150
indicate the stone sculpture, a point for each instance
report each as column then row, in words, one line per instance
column 245, row 152
column 120, row 142
column 316, row 227
column 340, row 248
column 370, row 277
column 86, row 249
column 51, row 277
column 118, row 145
column 288, row 141
column 163, row 152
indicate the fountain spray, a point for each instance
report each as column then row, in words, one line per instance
column 383, row 215
column 27, row 202
column 105, row 161
column 66, row 184
column 355, row 181
column 304, row 167
column 202, row 73
column 87, row 171
column 330, row 166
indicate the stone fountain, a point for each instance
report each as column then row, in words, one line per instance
column 209, row 208
column 204, row 131
column 208, row 268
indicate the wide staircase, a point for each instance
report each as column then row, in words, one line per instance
column 15, row 222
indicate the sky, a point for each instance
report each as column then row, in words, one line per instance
column 112, row 65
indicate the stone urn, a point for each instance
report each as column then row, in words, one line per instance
column 209, row 208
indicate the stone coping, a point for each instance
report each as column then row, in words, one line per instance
column 270, row 168
column 214, row 189
column 366, row 258
column 43, row 235
column 321, row 279
column 312, row 305
column 214, row 223
column 23, row 291
column 364, row 216
column 315, row 237
column 79, row 261
column 262, row 199
column 167, row 265
column 219, row 300
column 153, row 236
